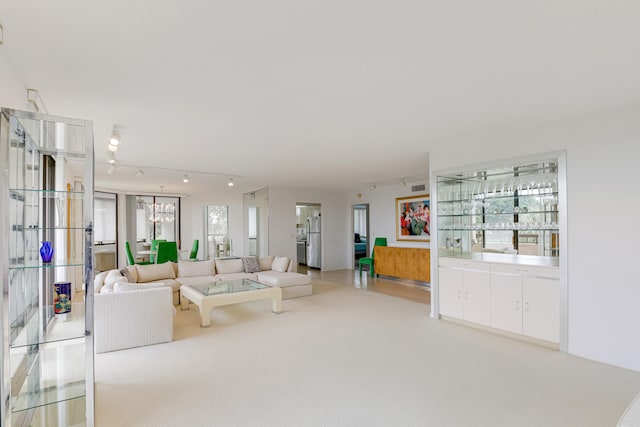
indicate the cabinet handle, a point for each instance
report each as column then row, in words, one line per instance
column 517, row 305
column 526, row 306
column 466, row 295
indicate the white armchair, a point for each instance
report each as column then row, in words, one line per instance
column 133, row 318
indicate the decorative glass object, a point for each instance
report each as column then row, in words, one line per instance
column 46, row 251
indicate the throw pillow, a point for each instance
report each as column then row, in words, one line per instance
column 225, row 266
column 280, row 264
column 266, row 262
column 196, row 268
column 99, row 281
column 112, row 277
column 151, row 272
column 130, row 273
column 126, row 286
column 251, row 264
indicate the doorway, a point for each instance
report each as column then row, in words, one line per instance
column 308, row 235
column 360, row 232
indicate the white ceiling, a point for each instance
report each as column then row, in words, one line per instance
column 331, row 94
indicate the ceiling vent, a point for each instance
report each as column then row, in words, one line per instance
column 420, row 187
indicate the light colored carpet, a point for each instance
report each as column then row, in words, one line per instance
column 351, row 357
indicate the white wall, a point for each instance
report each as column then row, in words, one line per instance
column 603, row 234
column 12, row 88
column 336, row 224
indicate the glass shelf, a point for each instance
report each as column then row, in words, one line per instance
column 488, row 209
column 52, row 264
column 68, row 326
column 50, row 378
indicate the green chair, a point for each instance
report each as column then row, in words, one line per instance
column 380, row 241
column 154, row 247
column 193, row 256
column 167, row 251
column 130, row 258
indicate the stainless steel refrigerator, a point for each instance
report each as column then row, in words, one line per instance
column 313, row 242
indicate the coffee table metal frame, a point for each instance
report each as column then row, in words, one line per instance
column 206, row 302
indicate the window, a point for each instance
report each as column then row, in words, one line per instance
column 217, row 229
column 104, row 206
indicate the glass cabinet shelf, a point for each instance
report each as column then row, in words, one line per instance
column 59, row 328
column 56, row 379
column 52, row 264
column 487, row 210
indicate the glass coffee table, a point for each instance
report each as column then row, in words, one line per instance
column 216, row 294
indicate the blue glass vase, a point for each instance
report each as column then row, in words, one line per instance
column 46, row 251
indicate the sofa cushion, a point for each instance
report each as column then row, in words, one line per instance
column 280, row 264
column 251, row 264
column 266, row 262
column 130, row 273
column 151, row 272
column 196, row 268
column 225, row 266
column 99, row 281
column 110, row 279
column 126, row 286
column 283, row 280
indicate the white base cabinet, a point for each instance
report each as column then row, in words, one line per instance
column 465, row 289
column 519, row 299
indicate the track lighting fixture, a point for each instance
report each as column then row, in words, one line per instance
column 403, row 182
column 114, row 140
column 372, row 187
column 111, row 168
column 112, row 157
column 185, row 179
column 139, row 173
column 230, row 183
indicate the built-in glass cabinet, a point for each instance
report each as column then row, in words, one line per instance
column 511, row 210
column 47, row 305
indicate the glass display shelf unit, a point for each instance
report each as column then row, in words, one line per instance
column 488, row 210
column 48, row 370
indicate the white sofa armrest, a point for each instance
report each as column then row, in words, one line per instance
column 133, row 318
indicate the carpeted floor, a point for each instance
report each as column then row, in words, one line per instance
column 350, row 357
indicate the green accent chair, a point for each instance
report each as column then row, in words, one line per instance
column 130, row 258
column 193, row 256
column 167, row 251
column 154, row 247
column 380, row 241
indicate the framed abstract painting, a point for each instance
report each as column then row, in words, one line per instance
column 413, row 218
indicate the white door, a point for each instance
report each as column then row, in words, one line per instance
column 506, row 302
column 541, row 316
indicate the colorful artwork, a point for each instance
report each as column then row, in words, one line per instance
column 413, row 218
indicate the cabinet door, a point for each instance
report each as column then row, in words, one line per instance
column 477, row 296
column 506, row 302
column 450, row 286
column 541, row 315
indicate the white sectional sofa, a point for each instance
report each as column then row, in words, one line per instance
column 270, row 270
column 133, row 316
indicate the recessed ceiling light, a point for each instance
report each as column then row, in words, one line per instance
column 230, row 183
